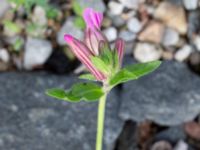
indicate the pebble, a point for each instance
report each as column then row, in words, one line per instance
column 172, row 15
column 117, row 21
column 190, row 4
column 111, row 33
column 145, row 52
column 193, row 23
column 192, row 129
column 127, row 35
column 3, row 7
column 132, row 4
column 39, row 16
column 152, row 33
column 134, row 25
column 69, row 28
column 181, row 145
column 4, row 55
column 37, row 51
column 196, row 42
column 183, row 53
column 115, row 8
column 161, row 145
column 170, row 37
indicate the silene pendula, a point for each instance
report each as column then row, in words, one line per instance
column 93, row 38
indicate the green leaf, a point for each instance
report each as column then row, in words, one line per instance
column 51, row 12
column 12, row 26
column 87, row 91
column 78, row 10
column 100, row 64
column 80, row 91
column 87, row 77
column 79, row 22
column 133, row 72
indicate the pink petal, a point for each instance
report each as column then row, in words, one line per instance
column 83, row 54
column 92, row 40
column 119, row 46
column 92, row 18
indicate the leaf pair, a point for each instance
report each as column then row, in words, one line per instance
column 80, row 91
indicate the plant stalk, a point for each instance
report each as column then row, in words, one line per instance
column 100, row 122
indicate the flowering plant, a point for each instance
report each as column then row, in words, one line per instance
column 104, row 65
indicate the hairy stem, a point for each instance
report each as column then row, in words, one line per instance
column 100, row 123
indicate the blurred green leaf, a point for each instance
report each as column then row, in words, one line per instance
column 78, row 10
column 51, row 12
column 18, row 44
column 12, row 26
column 133, row 72
column 79, row 22
column 87, row 77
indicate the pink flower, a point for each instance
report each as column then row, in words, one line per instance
column 92, row 41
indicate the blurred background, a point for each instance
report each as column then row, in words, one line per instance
column 158, row 112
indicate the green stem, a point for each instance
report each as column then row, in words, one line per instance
column 100, row 123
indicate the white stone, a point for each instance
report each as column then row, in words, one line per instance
column 183, row 53
column 115, row 8
column 37, row 51
column 4, row 6
column 134, row 25
column 4, row 55
column 132, row 4
column 171, row 37
column 39, row 16
column 190, row 4
column 68, row 28
column 145, row 52
column 196, row 42
column 181, row 146
column 110, row 33
column 127, row 36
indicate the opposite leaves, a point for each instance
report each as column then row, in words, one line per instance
column 80, row 91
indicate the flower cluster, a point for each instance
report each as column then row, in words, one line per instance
column 94, row 52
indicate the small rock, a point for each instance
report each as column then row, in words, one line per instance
column 190, row 4
column 183, row 53
column 117, row 21
column 3, row 7
column 152, row 33
column 145, row 52
column 167, row 55
column 172, row 15
column 196, row 42
column 111, row 33
column 134, row 25
column 68, row 27
column 161, row 145
column 115, row 8
column 37, row 51
column 192, row 129
column 132, row 4
column 170, row 38
column 181, row 146
column 95, row 4
column 127, row 35
column 172, row 134
column 193, row 23
column 39, row 16
column 4, row 55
